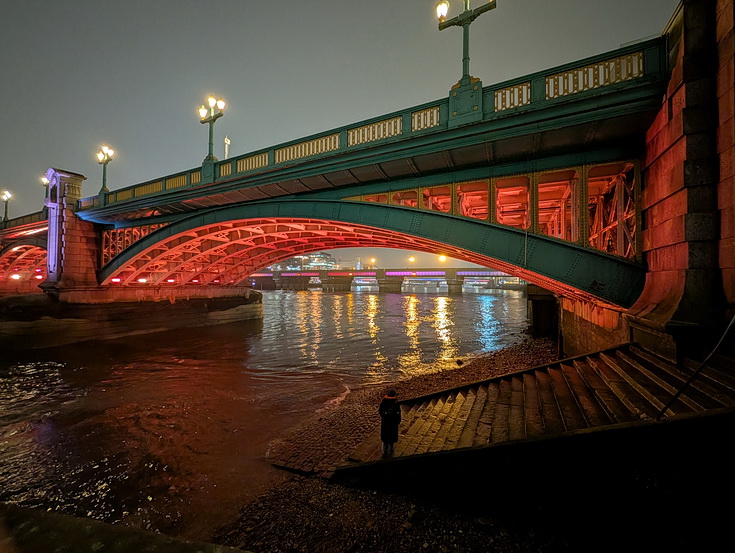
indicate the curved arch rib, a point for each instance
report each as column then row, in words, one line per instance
column 228, row 244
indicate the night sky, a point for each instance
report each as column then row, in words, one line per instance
column 130, row 74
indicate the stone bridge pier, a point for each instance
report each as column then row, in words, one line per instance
column 688, row 202
column 390, row 284
column 72, row 245
column 73, row 256
column 337, row 283
column 291, row 282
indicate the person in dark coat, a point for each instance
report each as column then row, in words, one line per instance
column 390, row 418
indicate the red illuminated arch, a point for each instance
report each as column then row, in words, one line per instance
column 23, row 264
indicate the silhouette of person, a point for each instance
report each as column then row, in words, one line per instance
column 390, row 418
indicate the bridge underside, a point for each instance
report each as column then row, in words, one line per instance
column 224, row 246
column 22, row 266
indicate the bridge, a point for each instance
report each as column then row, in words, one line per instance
column 499, row 189
column 573, row 179
column 387, row 280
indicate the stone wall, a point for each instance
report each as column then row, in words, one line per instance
column 681, row 231
column 688, row 200
column 726, row 146
column 588, row 327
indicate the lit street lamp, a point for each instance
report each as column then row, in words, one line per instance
column 45, row 182
column 104, row 156
column 6, row 197
column 210, row 115
column 463, row 20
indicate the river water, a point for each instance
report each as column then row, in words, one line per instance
column 170, row 431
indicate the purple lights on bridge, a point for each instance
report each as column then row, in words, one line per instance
column 388, row 272
column 415, row 273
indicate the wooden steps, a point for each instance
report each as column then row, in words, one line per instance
column 622, row 385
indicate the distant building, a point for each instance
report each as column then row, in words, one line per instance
column 311, row 262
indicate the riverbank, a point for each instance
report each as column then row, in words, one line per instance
column 307, row 513
column 37, row 321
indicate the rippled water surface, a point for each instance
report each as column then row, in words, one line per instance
column 170, row 431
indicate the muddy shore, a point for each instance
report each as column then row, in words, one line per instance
column 307, row 513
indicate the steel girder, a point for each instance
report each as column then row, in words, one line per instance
column 562, row 267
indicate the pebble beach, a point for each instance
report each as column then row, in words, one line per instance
column 304, row 512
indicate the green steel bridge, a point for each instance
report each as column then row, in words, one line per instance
column 539, row 177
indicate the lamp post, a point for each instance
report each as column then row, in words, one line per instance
column 465, row 97
column 210, row 115
column 45, row 182
column 6, row 197
column 463, row 20
column 104, row 156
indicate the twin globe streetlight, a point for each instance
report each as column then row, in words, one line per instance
column 104, row 156
column 207, row 115
column 210, row 115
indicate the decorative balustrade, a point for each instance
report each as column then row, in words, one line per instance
column 604, row 73
column 175, row 182
column 225, row 170
column 513, row 96
column 375, row 131
column 425, row 119
column 251, row 163
column 309, row 148
column 626, row 64
column 140, row 190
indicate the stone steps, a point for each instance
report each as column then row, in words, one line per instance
column 622, row 385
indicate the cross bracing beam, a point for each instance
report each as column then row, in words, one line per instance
column 559, row 266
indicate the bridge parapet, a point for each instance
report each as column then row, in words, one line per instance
column 609, row 72
column 14, row 224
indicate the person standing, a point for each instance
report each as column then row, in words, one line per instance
column 390, row 418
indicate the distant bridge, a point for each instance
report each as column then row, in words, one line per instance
column 388, row 280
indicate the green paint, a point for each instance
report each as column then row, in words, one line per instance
column 609, row 278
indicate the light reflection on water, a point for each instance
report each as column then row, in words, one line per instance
column 155, row 430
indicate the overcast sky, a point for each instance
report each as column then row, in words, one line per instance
column 131, row 73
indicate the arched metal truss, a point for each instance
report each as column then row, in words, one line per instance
column 224, row 245
column 23, row 260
